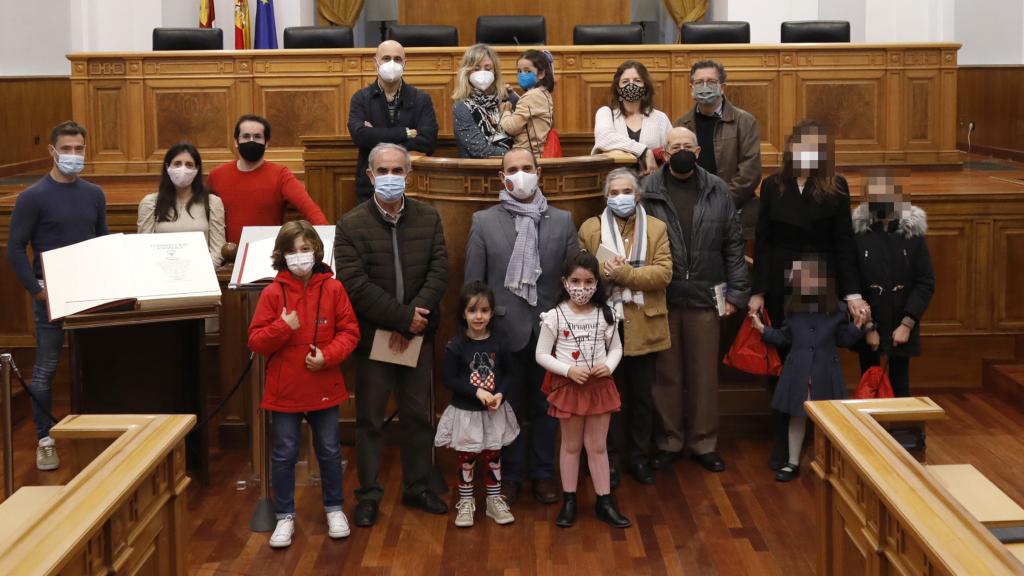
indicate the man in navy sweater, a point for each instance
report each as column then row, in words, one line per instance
column 59, row 210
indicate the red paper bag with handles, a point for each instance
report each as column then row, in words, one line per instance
column 874, row 383
column 750, row 354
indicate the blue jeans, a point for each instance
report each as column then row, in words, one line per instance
column 284, row 431
column 49, row 340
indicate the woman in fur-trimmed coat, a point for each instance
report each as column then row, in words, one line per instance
column 896, row 280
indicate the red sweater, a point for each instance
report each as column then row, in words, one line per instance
column 290, row 386
column 258, row 198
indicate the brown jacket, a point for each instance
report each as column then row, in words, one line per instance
column 737, row 150
column 531, row 120
column 645, row 330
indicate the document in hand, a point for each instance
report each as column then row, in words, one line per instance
column 254, row 263
column 381, row 350
column 150, row 270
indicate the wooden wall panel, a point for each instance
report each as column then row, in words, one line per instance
column 949, row 246
column 990, row 96
column 561, row 16
column 1008, row 276
column 31, row 106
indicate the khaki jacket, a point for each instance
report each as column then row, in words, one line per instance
column 737, row 150
column 531, row 120
column 645, row 329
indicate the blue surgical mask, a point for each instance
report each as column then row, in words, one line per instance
column 622, row 205
column 389, row 187
column 70, row 164
column 527, row 80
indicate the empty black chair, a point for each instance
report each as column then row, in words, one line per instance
column 816, row 31
column 318, row 37
column 715, row 33
column 188, row 39
column 414, row 35
column 507, row 30
column 584, row 34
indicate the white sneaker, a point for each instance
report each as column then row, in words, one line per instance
column 466, row 508
column 337, row 524
column 498, row 510
column 46, row 455
column 282, row 536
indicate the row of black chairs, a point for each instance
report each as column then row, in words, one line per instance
column 509, row 30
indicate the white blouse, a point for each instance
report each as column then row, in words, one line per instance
column 569, row 339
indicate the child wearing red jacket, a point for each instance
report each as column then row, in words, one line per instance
column 305, row 327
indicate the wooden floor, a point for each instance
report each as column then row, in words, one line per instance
column 739, row 522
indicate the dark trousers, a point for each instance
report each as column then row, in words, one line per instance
column 899, row 371
column 530, row 404
column 284, row 431
column 631, row 427
column 412, row 387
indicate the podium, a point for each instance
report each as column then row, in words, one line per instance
column 143, row 362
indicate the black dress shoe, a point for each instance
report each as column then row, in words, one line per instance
column 711, row 461
column 567, row 515
column 641, row 471
column 546, row 491
column 510, row 490
column 613, row 477
column 607, row 511
column 787, row 473
column 663, row 459
column 426, row 501
column 365, row 514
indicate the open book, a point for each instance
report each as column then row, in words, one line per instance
column 254, row 263
column 144, row 270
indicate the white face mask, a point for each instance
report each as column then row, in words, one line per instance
column 182, row 176
column 481, row 79
column 521, row 185
column 806, row 159
column 390, row 71
column 300, row 263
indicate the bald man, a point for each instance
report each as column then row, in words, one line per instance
column 706, row 242
column 389, row 110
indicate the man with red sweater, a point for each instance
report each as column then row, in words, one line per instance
column 254, row 191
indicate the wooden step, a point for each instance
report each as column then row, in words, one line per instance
column 1006, row 381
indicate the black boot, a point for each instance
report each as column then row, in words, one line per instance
column 608, row 511
column 780, row 433
column 567, row 515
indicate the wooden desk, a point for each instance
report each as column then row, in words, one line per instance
column 983, row 499
column 882, row 512
column 887, row 103
column 124, row 511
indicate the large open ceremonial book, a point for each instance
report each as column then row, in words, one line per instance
column 254, row 265
column 146, row 271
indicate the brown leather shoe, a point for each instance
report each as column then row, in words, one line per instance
column 510, row 490
column 546, row 490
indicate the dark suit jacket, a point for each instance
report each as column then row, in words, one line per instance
column 488, row 251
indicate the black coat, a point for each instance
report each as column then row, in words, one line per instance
column 896, row 274
column 415, row 110
column 716, row 254
column 791, row 225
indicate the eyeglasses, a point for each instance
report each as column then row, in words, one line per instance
column 637, row 81
column 706, row 83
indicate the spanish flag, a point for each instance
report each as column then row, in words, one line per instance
column 206, row 15
column 242, row 38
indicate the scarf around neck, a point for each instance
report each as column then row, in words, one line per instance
column 611, row 239
column 524, row 265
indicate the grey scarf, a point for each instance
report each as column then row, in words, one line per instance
column 524, row 265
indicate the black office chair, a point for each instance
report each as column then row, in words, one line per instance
column 584, row 34
column 499, row 30
column 816, row 31
column 318, row 37
column 423, row 35
column 188, row 39
column 715, row 33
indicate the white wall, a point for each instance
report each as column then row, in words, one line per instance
column 767, row 17
column 992, row 32
column 24, row 50
column 853, row 11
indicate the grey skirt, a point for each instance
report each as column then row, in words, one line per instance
column 477, row 430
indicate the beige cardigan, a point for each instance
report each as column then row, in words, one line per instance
column 536, row 110
column 193, row 221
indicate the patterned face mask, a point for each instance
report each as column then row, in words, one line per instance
column 632, row 92
column 580, row 295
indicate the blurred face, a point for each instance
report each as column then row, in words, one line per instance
column 809, row 151
column 809, row 277
column 250, row 131
column 388, row 162
column 478, row 314
column 621, row 187
column 884, row 196
column 631, row 76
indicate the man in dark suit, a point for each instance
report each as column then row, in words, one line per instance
column 389, row 110
column 518, row 247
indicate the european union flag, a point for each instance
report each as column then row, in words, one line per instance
column 266, row 30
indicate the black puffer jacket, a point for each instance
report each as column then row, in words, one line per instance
column 716, row 254
column 365, row 262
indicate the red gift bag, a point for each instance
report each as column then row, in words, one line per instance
column 750, row 354
column 552, row 146
column 874, row 383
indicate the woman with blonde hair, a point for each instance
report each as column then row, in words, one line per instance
column 479, row 94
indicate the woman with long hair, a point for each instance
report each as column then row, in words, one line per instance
column 479, row 93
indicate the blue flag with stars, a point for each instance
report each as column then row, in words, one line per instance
column 266, row 29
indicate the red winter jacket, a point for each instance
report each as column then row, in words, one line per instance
column 290, row 386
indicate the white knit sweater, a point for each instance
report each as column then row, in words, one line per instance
column 610, row 132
